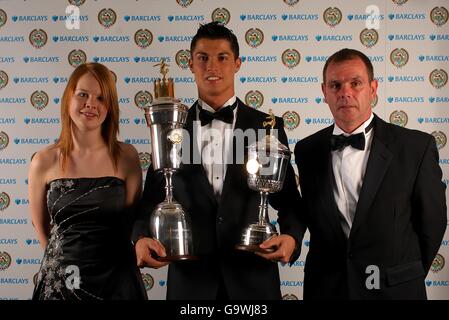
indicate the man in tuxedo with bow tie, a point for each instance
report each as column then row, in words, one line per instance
column 212, row 188
column 372, row 196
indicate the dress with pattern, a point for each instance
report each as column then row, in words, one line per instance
column 89, row 255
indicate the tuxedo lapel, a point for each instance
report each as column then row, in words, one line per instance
column 379, row 160
column 234, row 169
column 325, row 175
column 195, row 167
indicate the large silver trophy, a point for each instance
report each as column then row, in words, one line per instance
column 166, row 118
column 267, row 164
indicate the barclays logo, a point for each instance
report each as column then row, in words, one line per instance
column 439, row 37
column 81, row 18
column 140, row 121
column 29, row 18
column 290, row 37
column 12, row 161
column 301, row 17
column 111, row 59
column 7, row 60
column 330, row 37
column 439, row 99
column 21, row 202
column 60, row 79
column 32, row 141
column 19, row 281
column 8, row 241
column 30, row 79
column 406, row 78
column 290, row 283
column 7, row 120
column 124, row 121
column 12, row 39
column 405, row 99
column 258, row 17
column 444, row 161
column 52, row 59
column 365, row 17
column 14, row 221
column 20, row 261
column 31, row 242
column 139, row 79
column 137, row 141
column 433, row 120
column 258, row 79
column 297, row 263
column 446, row 182
column 433, row 58
column 151, row 59
column 316, row 58
column 406, row 37
column 111, row 38
column 379, row 79
column 445, row 243
column 175, row 38
column 12, row 100
column 45, row 121
column 128, row 18
column 184, row 80
column 376, row 58
column 187, row 100
column 70, row 38
column 124, row 100
column 293, row 140
column 8, row 181
column 327, row 121
column 184, row 18
column 299, row 79
column 286, row 100
column 407, row 16
column 259, row 58
column 439, row 283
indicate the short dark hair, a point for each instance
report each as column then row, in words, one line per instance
column 215, row 30
column 349, row 54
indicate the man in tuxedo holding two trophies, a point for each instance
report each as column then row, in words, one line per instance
column 215, row 194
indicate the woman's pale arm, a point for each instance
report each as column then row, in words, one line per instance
column 133, row 174
column 37, row 188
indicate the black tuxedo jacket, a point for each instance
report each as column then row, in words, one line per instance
column 217, row 224
column 399, row 222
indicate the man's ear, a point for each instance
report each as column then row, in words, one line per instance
column 323, row 89
column 238, row 64
column 191, row 65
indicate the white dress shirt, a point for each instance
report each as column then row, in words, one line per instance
column 214, row 141
column 349, row 166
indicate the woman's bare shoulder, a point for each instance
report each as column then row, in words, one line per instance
column 45, row 159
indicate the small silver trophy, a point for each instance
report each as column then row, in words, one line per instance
column 267, row 163
column 166, row 117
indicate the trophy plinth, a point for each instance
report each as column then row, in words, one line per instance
column 166, row 117
column 267, row 164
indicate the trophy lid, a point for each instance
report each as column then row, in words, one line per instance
column 270, row 144
column 164, row 87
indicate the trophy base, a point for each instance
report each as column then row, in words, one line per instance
column 253, row 248
column 177, row 258
column 254, row 235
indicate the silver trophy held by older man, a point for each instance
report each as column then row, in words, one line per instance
column 166, row 117
column 267, row 164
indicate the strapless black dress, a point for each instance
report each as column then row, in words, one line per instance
column 89, row 255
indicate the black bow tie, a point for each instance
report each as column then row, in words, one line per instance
column 340, row 141
column 225, row 114
column 356, row 141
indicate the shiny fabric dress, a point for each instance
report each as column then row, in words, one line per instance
column 89, row 255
